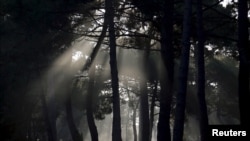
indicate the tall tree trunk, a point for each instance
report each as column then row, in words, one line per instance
column 116, row 129
column 134, row 121
column 144, row 126
column 134, row 106
column 86, row 67
column 152, row 109
column 201, row 74
column 90, row 104
column 244, row 54
column 183, row 74
column 127, row 124
column 166, row 93
column 144, row 112
column 76, row 136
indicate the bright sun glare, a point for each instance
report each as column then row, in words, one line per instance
column 225, row 3
column 76, row 55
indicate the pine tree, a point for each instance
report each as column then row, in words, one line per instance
column 201, row 73
column 116, row 129
column 244, row 53
column 183, row 74
column 167, row 80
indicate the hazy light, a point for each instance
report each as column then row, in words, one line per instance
column 86, row 57
column 226, row 2
column 77, row 55
column 191, row 82
column 209, row 47
column 214, row 84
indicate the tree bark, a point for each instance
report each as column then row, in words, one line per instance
column 203, row 118
column 134, row 106
column 144, row 112
column 89, row 110
column 183, row 74
column 116, row 129
column 86, row 67
column 93, row 54
column 167, row 80
column 144, row 126
column 134, row 121
column 76, row 136
column 152, row 109
column 244, row 53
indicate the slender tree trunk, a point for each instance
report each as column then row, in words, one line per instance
column 134, row 106
column 116, row 129
column 244, row 54
column 183, row 74
column 201, row 74
column 90, row 104
column 76, row 136
column 93, row 54
column 152, row 109
column 164, row 115
column 144, row 112
column 87, row 65
column 128, row 112
column 127, row 124
column 145, row 130
column 166, row 93
column 144, row 126
column 134, row 121
column 167, row 49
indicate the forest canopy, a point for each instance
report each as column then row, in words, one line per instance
column 147, row 70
